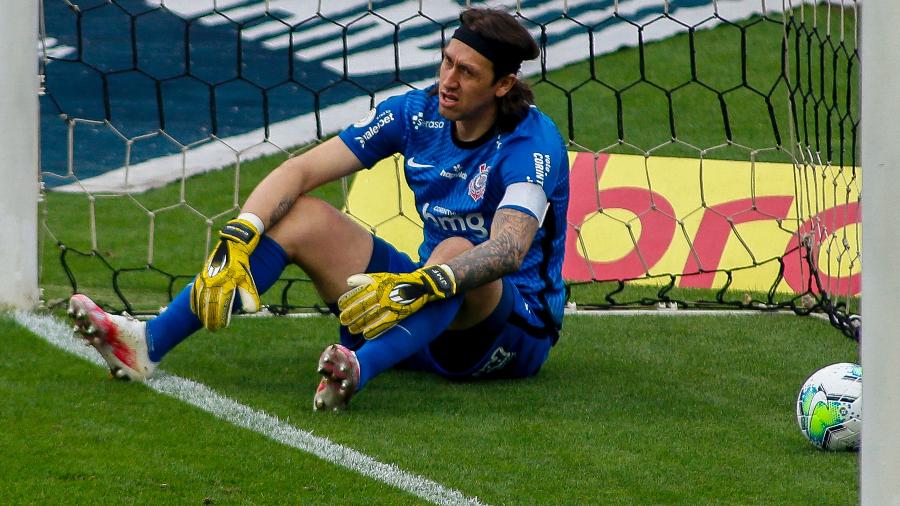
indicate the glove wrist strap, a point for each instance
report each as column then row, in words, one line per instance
column 239, row 231
column 442, row 278
column 255, row 220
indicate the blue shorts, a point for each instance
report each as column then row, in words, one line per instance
column 510, row 343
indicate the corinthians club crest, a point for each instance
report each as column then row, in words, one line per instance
column 479, row 183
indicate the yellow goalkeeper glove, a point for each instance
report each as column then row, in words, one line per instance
column 378, row 301
column 227, row 270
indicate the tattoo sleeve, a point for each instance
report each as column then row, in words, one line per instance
column 511, row 235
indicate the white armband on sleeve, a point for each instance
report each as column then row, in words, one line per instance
column 526, row 197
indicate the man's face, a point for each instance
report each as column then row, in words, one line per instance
column 465, row 91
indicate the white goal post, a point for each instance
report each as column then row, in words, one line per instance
column 881, row 253
column 19, row 154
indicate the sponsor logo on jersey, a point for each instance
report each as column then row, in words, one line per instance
column 541, row 167
column 478, row 185
column 455, row 172
column 452, row 222
column 378, row 123
column 365, row 120
column 418, row 121
column 416, row 165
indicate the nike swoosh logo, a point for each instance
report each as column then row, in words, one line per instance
column 412, row 163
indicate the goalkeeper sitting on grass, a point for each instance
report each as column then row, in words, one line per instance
column 490, row 176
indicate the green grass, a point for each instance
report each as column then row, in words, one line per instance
column 123, row 231
column 726, row 93
column 697, row 101
column 69, row 436
column 627, row 410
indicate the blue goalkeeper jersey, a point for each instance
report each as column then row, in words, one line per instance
column 459, row 186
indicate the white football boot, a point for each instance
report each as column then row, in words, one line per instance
column 121, row 340
column 340, row 377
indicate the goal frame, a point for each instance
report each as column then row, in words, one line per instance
column 880, row 457
column 19, row 166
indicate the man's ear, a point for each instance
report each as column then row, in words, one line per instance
column 505, row 84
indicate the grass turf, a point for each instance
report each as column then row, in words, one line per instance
column 628, row 410
column 70, row 436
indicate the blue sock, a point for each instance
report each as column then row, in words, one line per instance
column 406, row 338
column 351, row 341
column 177, row 322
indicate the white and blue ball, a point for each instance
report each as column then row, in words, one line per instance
column 829, row 407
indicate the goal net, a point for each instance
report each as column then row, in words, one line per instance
column 713, row 144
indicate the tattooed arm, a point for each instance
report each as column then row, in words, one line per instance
column 275, row 194
column 511, row 235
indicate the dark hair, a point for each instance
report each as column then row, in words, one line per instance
column 501, row 28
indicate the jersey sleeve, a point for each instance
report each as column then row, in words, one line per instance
column 380, row 133
column 538, row 158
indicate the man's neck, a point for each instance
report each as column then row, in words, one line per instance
column 472, row 129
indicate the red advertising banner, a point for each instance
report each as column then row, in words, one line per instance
column 635, row 217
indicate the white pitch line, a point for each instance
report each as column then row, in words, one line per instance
column 196, row 394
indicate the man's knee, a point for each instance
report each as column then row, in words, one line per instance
column 478, row 302
column 326, row 243
column 306, row 215
column 309, row 220
column 448, row 249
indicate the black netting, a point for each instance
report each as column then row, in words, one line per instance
column 136, row 92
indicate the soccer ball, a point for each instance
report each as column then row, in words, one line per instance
column 829, row 407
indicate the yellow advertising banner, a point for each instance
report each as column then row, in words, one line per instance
column 639, row 218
